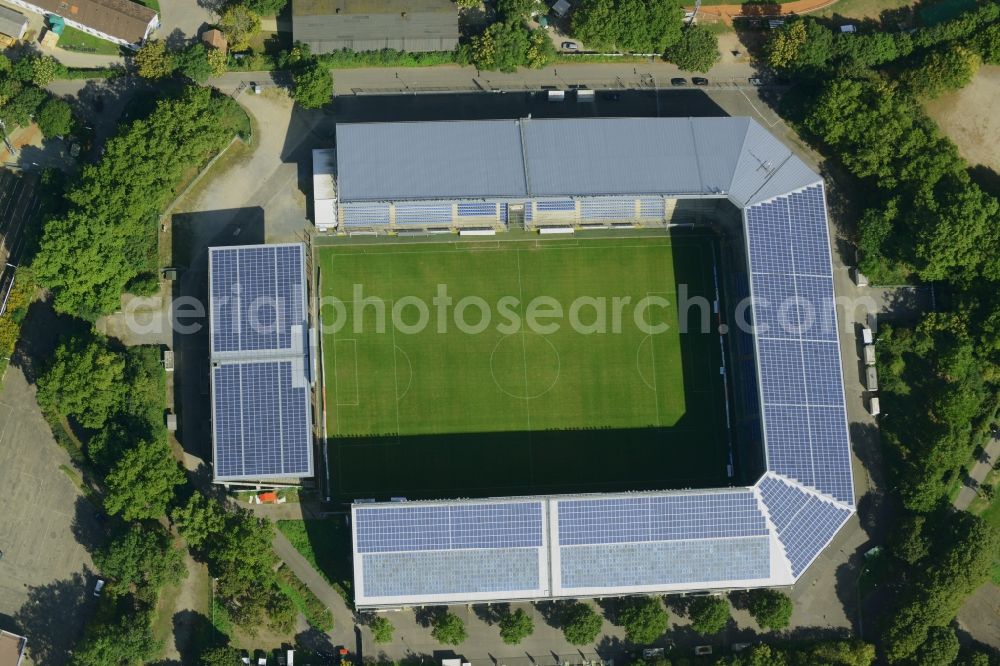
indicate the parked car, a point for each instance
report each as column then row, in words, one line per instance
column 571, row 46
column 699, row 81
column 678, row 81
column 754, row 81
column 98, row 587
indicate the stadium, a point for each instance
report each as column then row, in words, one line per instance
column 530, row 466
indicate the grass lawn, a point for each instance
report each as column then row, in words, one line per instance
column 326, row 545
column 152, row 4
column 859, row 9
column 492, row 407
column 990, row 512
column 77, row 40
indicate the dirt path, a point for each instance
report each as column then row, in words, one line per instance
column 728, row 12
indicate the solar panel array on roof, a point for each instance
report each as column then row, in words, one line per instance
column 261, row 412
column 805, row 523
column 805, row 420
column 257, row 297
column 261, row 421
column 659, row 518
column 701, row 563
column 449, row 527
column 457, row 550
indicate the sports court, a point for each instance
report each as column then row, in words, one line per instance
column 486, row 390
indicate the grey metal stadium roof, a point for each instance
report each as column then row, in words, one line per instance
column 731, row 157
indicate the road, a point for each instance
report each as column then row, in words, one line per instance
column 452, row 78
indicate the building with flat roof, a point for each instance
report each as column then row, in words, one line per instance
column 120, row 21
column 261, row 371
column 12, row 648
column 649, row 172
column 373, row 25
column 13, row 24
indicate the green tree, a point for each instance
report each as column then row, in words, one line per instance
column 449, row 629
column 381, row 628
column 940, row 649
column 313, row 86
column 709, row 615
column 217, row 62
column 281, row 612
column 84, row 381
column 988, row 44
column 193, row 63
column 22, row 106
column 502, row 46
column 106, row 235
column 782, row 49
column 770, row 608
column 469, row 4
column 942, row 70
column 55, row 117
column 220, row 656
column 199, row 520
column 696, row 51
column 644, row 619
column 266, row 7
column 142, row 484
column 637, row 26
column 516, row 626
column 141, row 559
column 963, row 561
column 581, row 624
column 240, row 24
column 153, row 60
column 593, row 23
column 126, row 642
column 43, row 70
column 516, row 11
column 541, row 51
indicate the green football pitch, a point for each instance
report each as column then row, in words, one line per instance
column 520, row 366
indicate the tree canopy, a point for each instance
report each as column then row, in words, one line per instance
column 770, row 608
column 193, row 62
column 240, row 24
column 709, row 615
column 141, row 485
column 153, row 61
column 128, row 641
column 84, row 381
column 449, row 629
column 381, row 628
column 516, row 626
column 505, row 46
column 644, row 619
column 108, row 234
column 635, row 26
column 141, row 558
column 580, row 623
column 313, row 86
column 696, row 51
column 55, row 117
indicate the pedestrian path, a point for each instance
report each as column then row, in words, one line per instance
column 977, row 475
